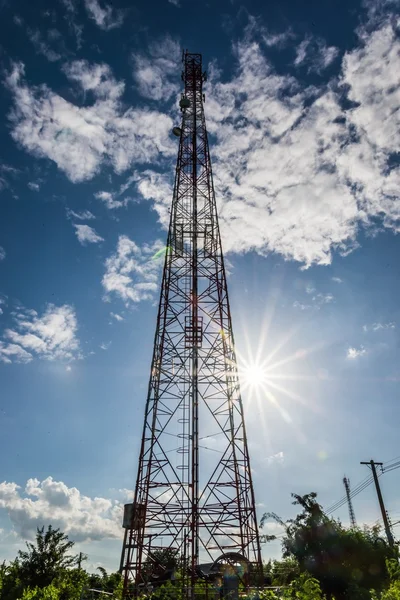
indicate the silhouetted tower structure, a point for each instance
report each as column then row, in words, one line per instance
column 346, row 482
column 194, row 491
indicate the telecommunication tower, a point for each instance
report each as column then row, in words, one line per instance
column 346, row 483
column 194, row 493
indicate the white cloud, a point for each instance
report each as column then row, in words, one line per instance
column 51, row 336
column 33, row 186
column 109, row 200
column 84, row 215
column 295, row 173
column 104, row 16
column 379, row 326
column 149, row 185
column 174, row 2
column 105, row 345
column 157, row 73
column 132, row 273
column 87, row 235
column 2, row 253
column 275, row 458
column 71, row 10
column 116, row 316
column 279, row 40
column 337, row 279
column 50, row 502
column 157, row 187
column 315, row 54
column 6, row 171
column 41, row 46
column 80, row 139
column 371, row 72
column 316, row 301
column 354, row 353
column 95, row 78
column 2, row 302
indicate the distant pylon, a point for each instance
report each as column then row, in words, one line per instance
column 349, row 502
column 194, row 499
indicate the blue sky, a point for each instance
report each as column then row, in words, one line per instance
column 302, row 107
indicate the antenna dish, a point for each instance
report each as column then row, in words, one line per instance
column 184, row 102
column 177, row 131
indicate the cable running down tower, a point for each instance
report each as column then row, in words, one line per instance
column 194, row 492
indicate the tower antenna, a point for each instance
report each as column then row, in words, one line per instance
column 194, row 499
column 346, row 483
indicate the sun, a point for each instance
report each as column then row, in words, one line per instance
column 254, row 376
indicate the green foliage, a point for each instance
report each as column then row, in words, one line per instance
column 49, row 592
column 167, row 591
column 304, row 588
column 347, row 563
column 45, row 560
column 160, row 563
column 283, row 572
column 267, row 595
column 12, row 586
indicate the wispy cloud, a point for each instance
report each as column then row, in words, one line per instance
column 148, row 185
column 7, row 172
column 84, row 215
column 71, row 13
column 51, row 336
column 2, row 253
column 174, row 2
column 279, row 40
column 47, row 125
column 275, row 458
column 41, row 46
column 105, row 345
column 116, row 316
column 104, row 15
column 379, row 326
column 132, row 273
column 337, row 279
column 2, row 303
column 354, row 353
column 315, row 300
column 315, row 55
column 157, row 72
column 109, row 200
column 33, row 186
column 87, row 235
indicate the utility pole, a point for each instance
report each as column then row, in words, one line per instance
column 388, row 531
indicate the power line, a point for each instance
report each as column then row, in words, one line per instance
column 388, row 461
column 344, row 498
column 357, row 490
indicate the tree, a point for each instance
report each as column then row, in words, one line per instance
column 283, row 572
column 46, row 560
column 160, row 564
column 11, row 585
column 105, row 582
column 346, row 562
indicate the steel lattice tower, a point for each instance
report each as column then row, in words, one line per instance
column 352, row 515
column 194, row 489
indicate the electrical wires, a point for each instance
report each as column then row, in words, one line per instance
column 388, row 466
column 357, row 490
